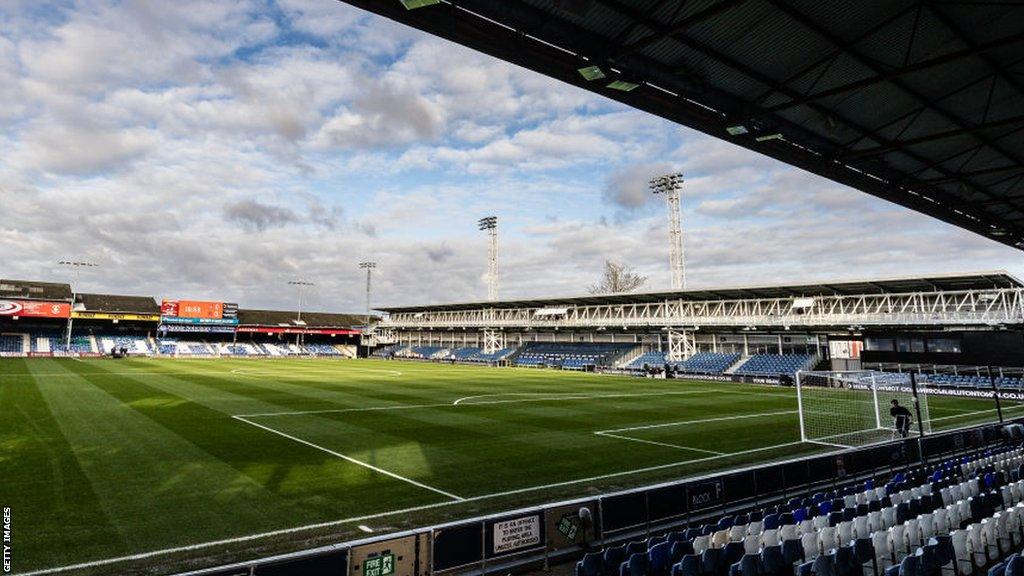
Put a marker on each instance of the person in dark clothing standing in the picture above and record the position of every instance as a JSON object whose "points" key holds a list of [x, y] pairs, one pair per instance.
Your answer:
{"points": [[901, 418]]}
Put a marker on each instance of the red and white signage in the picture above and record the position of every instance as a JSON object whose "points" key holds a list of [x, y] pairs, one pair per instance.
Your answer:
{"points": [[192, 309], [35, 309]]}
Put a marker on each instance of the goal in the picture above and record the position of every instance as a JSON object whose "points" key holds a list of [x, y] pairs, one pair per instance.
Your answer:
{"points": [[847, 409]]}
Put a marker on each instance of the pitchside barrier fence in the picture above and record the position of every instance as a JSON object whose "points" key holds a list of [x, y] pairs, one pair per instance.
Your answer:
{"points": [[532, 537]]}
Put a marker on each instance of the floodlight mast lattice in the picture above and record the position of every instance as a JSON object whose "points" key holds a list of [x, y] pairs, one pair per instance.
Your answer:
{"points": [[490, 225], [77, 267], [368, 266], [300, 284], [669, 186]]}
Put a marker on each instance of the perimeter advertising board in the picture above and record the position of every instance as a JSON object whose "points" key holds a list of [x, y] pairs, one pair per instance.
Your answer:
{"points": [[34, 309], [86, 315]]}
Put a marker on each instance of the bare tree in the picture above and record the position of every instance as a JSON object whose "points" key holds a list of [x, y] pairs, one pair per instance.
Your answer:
{"points": [[617, 278]]}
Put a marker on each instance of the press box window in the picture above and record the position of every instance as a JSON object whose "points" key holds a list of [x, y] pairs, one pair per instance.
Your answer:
{"points": [[879, 344], [948, 345]]}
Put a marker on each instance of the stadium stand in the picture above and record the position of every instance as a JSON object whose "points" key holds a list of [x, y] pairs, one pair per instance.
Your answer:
{"points": [[387, 351], [167, 347], [959, 517], [465, 354], [134, 344], [195, 348], [57, 343], [228, 349], [647, 359], [426, 352], [276, 349], [775, 364], [322, 350], [966, 381], [571, 356], [497, 356], [12, 343], [707, 363]]}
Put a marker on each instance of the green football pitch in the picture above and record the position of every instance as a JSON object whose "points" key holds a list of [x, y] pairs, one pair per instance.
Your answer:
{"points": [[227, 459]]}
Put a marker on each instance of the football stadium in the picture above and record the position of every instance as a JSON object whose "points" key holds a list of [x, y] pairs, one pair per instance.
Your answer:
{"points": [[852, 426]]}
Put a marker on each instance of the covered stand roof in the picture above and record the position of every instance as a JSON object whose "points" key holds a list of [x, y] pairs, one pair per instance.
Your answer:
{"points": [[919, 103], [35, 290], [115, 303], [951, 282], [288, 318]]}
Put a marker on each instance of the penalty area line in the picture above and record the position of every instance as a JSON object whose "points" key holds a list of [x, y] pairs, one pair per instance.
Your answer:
{"points": [[353, 460], [701, 421], [665, 444]]}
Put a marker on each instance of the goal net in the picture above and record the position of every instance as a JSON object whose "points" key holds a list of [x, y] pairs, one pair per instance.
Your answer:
{"points": [[854, 408]]}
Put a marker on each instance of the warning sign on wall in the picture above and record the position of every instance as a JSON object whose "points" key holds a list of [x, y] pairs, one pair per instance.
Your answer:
{"points": [[510, 535]]}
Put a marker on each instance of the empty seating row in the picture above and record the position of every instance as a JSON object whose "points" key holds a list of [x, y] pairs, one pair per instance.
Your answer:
{"points": [[841, 534], [645, 360], [707, 363], [775, 364], [12, 343], [571, 355], [968, 381]]}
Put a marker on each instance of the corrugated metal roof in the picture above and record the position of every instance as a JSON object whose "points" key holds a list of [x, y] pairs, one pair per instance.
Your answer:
{"points": [[35, 290], [918, 103], [927, 283], [115, 303]]}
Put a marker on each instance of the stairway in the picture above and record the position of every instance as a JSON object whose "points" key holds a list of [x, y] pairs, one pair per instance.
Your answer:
{"points": [[736, 365]]}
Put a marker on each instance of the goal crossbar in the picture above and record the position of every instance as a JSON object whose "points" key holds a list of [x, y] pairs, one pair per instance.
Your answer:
{"points": [[857, 408]]}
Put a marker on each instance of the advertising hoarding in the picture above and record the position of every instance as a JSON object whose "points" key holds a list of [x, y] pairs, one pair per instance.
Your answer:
{"points": [[35, 309]]}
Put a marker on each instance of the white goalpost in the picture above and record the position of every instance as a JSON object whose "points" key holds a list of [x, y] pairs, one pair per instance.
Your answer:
{"points": [[849, 409]]}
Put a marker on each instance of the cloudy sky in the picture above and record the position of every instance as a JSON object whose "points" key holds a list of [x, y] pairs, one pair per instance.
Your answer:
{"points": [[216, 148]]}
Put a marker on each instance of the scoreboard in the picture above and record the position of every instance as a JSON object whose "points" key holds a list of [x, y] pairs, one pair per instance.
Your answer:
{"points": [[198, 312]]}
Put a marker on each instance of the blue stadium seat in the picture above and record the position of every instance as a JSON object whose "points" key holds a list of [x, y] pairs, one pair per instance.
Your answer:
{"points": [[707, 363], [690, 565], [775, 364], [635, 566], [570, 355], [590, 565], [659, 559]]}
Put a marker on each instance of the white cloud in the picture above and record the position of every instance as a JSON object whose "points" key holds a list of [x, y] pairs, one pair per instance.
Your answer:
{"points": [[217, 149]]}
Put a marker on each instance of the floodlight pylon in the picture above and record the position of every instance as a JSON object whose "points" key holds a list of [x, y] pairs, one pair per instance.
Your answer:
{"points": [[669, 186], [490, 225]]}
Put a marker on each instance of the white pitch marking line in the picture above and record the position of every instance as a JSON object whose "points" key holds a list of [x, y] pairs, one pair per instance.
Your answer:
{"points": [[353, 460], [665, 444], [828, 443], [311, 371], [570, 396], [702, 421], [340, 410], [484, 403], [962, 414], [249, 537]]}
